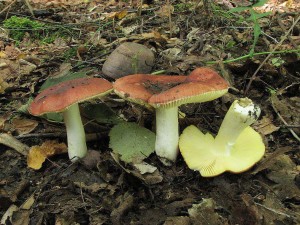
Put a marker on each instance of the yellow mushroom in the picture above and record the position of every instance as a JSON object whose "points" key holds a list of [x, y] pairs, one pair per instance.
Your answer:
{"points": [[236, 148]]}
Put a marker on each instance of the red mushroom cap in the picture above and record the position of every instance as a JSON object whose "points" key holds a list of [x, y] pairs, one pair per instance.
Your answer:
{"points": [[203, 84], [59, 97], [139, 88]]}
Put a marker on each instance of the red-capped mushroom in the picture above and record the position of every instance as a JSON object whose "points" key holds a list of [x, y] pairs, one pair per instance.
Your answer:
{"points": [[64, 97], [165, 93]]}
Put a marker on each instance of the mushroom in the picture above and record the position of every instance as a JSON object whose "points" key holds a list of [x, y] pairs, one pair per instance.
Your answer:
{"points": [[64, 97], [165, 93], [236, 148]]}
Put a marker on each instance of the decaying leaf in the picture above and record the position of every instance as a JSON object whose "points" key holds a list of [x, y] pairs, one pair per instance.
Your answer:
{"points": [[131, 149], [148, 178], [64, 74], [117, 15], [265, 126], [101, 113], [204, 213], [38, 154], [23, 125], [283, 173], [144, 167], [165, 11], [3, 85]]}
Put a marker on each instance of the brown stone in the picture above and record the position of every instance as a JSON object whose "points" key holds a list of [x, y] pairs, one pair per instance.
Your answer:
{"points": [[128, 58]]}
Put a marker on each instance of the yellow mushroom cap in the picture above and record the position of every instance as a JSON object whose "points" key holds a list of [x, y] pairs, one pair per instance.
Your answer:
{"points": [[201, 152]]}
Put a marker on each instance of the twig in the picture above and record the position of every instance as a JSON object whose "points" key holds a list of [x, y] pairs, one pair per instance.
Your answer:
{"points": [[254, 54], [170, 17], [9, 5], [89, 137], [12, 142], [270, 54], [273, 210], [285, 123]]}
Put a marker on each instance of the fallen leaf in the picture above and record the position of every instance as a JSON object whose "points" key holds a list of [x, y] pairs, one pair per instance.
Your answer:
{"points": [[24, 126], [165, 11], [204, 213], [38, 154], [8, 214], [283, 173], [95, 187], [144, 167], [131, 149], [3, 85], [117, 15], [265, 126]]}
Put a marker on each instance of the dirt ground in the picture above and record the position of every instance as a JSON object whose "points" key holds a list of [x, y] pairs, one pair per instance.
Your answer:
{"points": [[101, 189]]}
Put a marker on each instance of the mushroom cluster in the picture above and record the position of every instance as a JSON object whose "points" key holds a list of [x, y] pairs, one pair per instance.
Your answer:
{"points": [[236, 147], [165, 94]]}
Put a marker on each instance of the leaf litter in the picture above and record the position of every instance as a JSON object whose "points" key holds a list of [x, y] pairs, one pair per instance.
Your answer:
{"points": [[105, 190]]}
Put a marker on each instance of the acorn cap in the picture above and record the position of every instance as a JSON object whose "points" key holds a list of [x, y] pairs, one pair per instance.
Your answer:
{"points": [[59, 97], [201, 153], [203, 84]]}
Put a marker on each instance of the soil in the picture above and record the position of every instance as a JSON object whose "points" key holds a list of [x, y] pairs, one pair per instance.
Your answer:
{"points": [[101, 189]]}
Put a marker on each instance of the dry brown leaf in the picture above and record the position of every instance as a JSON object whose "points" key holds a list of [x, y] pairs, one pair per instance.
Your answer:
{"points": [[265, 126], [12, 52], [165, 11], [38, 154], [120, 15], [117, 15], [24, 126], [3, 85]]}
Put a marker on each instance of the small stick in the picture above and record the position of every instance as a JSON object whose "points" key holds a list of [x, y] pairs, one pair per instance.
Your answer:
{"points": [[170, 18], [9, 5], [267, 58], [273, 210], [12, 142], [285, 123], [89, 137]]}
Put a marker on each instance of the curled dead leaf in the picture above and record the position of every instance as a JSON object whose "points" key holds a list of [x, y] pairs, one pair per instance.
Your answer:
{"points": [[38, 154]]}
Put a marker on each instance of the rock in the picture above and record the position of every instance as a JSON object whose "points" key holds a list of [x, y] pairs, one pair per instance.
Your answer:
{"points": [[128, 58]]}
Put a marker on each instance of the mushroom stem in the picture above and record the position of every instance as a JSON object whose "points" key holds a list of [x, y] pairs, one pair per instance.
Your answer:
{"points": [[240, 115], [75, 132], [167, 134]]}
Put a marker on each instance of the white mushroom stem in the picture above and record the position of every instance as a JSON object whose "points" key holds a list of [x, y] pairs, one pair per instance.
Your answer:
{"points": [[167, 134], [240, 115], [75, 132]]}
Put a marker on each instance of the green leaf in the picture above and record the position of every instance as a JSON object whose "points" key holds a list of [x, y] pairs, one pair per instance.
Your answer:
{"points": [[132, 142], [256, 16], [101, 113], [55, 80], [239, 9], [54, 117], [257, 32], [260, 3]]}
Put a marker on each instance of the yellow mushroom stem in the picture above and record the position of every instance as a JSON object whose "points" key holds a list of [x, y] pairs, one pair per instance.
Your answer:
{"points": [[240, 115]]}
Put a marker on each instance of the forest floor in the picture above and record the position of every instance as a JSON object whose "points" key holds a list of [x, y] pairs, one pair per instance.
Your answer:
{"points": [[77, 37]]}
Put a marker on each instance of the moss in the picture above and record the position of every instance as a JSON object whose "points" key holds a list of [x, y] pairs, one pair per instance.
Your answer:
{"points": [[18, 26]]}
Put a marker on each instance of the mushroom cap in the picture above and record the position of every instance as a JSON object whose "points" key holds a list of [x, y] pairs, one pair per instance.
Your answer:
{"points": [[203, 84], [59, 97], [201, 153]]}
